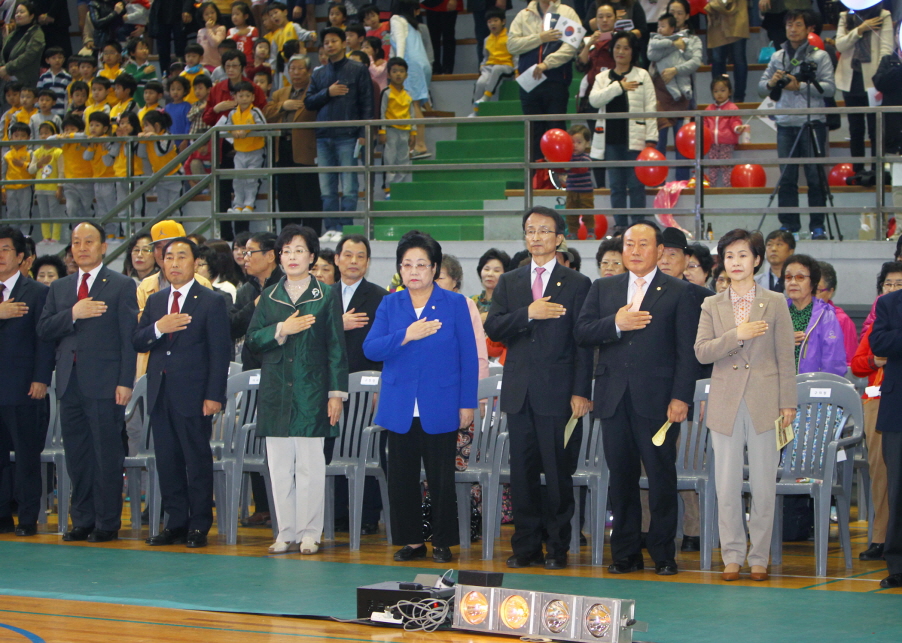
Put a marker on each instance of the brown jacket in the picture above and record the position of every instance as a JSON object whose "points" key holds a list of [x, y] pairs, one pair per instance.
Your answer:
{"points": [[762, 370], [303, 141], [728, 21]]}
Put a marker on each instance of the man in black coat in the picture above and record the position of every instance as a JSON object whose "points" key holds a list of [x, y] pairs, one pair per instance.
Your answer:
{"points": [[547, 380], [644, 324], [27, 368], [91, 316], [186, 330], [360, 299]]}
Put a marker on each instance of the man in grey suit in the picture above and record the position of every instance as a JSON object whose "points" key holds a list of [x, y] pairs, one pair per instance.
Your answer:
{"points": [[91, 316]]}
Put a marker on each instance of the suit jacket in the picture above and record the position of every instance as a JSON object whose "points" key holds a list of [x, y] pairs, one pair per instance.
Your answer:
{"points": [[196, 360], [761, 371], [700, 293], [303, 141], [543, 359], [439, 372], [886, 341], [366, 299], [24, 356], [656, 362], [102, 345]]}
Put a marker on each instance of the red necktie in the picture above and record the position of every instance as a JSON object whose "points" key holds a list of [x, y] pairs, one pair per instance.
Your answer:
{"points": [[175, 307], [83, 288], [2, 288]]}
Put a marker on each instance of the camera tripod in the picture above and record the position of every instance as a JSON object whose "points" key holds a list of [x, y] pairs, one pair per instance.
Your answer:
{"points": [[807, 130]]}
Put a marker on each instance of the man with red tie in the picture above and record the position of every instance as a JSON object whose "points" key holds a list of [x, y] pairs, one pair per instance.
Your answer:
{"points": [[91, 316], [185, 328]]}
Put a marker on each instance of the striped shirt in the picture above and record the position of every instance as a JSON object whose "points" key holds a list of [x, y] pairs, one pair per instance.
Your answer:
{"points": [[579, 179], [58, 84]]}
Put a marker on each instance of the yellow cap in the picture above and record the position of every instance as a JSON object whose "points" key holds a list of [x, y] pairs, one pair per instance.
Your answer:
{"points": [[166, 230]]}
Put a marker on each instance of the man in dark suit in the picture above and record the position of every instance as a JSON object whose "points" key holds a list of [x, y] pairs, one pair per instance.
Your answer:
{"points": [[91, 315], [644, 324], [547, 379], [185, 327], [360, 299], [27, 368]]}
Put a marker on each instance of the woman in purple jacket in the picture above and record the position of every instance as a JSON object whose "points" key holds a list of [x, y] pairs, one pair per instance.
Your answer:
{"points": [[818, 335]]}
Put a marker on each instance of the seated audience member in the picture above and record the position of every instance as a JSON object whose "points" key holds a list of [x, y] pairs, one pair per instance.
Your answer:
{"points": [[48, 269], [698, 270], [498, 62], [819, 342], [779, 246], [825, 291], [609, 257], [138, 262]]}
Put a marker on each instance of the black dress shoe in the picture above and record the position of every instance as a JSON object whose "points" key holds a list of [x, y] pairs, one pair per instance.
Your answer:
{"points": [[666, 568], [691, 543], [196, 539], [627, 565], [342, 525], [27, 530], [892, 581], [556, 562], [409, 553], [7, 525], [77, 533], [168, 537], [369, 528], [583, 541], [874, 552], [642, 537], [102, 536], [441, 554], [526, 560]]}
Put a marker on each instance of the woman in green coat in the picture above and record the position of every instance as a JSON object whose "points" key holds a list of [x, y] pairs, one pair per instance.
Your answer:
{"points": [[298, 334], [22, 48]]}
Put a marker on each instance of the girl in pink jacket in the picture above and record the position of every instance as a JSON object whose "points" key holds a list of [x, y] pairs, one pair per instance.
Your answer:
{"points": [[726, 130]]}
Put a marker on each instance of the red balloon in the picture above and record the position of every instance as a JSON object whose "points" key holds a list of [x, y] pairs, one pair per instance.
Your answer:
{"points": [[651, 175], [557, 146], [697, 6], [583, 233], [748, 176], [815, 41], [838, 174], [685, 140], [601, 226]]}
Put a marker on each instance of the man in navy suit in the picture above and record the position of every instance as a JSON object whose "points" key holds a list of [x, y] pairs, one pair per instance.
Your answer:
{"points": [[27, 368], [644, 324], [547, 380], [886, 341], [186, 330], [91, 316]]}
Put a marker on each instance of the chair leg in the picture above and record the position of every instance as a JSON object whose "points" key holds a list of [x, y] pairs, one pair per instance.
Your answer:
{"points": [[329, 509], [574, 523], [463, 491], [821, 529], [219, 498], [490, 493], [154, 501], [776, 539], [705, 526], [600, 510], [272, 504], [843, 511], [386, 510], [233, 490], [46, 503], [355, 506], [133, 480], [64, 489]]}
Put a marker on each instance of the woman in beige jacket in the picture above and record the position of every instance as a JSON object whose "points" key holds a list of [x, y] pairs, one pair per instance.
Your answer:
{"points": [[746, 332]]}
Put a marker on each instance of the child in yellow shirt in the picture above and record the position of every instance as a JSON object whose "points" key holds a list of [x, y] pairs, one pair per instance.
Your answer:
{"points": [[100, 90], [18, 197], [27, 99], [398, 139], [117, 154], [112, 61], [45, 164], [249, 146], [104, 193], [13, 94], [79, 196], [153, 94], [157, 153]]}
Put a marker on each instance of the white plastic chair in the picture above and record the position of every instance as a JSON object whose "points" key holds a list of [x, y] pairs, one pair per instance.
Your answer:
{"points": [[144, 460]]}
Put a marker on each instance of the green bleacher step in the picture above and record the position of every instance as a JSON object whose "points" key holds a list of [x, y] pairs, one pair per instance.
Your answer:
{"points": [[439, 232], [472, 175], [447, 190], [426, 206], [485, 149], [501, 108], [481, 131]]}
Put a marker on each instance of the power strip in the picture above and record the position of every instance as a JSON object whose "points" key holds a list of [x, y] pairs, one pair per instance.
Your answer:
{"points": [[386, 617]]}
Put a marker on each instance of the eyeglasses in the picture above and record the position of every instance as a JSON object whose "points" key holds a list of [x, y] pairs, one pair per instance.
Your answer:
{"points": [[693, 266], [541, 232], [798, 278], [611, 264], [146, 250], [201, 264], [892, 284], [287, 252], [820, 290], [247, 253], [420, 267]]}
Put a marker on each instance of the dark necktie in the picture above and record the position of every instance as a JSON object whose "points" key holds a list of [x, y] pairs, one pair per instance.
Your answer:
{"points": [[175, 307], [2, 288]]}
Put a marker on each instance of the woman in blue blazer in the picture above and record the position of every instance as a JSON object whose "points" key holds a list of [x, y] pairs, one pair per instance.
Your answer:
{"points": [[424, 337]]}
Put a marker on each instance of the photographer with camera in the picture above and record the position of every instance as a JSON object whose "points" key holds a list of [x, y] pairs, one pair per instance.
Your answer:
{"points": [[798, 76]]}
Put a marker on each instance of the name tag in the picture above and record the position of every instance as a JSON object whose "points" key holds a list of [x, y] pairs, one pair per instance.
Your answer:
{"points": [[369, 380], [821, 392], [707, 388], [254, 380], [499, 385]]}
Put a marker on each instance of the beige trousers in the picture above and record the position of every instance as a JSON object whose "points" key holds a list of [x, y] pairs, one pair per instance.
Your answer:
{"points": [[877, 471], [297, 468]]}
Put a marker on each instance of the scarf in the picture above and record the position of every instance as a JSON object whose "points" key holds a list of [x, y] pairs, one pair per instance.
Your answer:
{"points": [[862, 52], [14, 39]]}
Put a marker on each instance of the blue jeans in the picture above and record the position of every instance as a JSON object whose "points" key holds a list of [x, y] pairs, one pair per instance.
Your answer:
{"points": [[682, 173], [337, 152], [623, 180], [736, 51], [788, 196]]}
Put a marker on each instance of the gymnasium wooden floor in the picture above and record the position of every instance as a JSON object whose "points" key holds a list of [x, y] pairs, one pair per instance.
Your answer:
{"points": [[34, 619]]}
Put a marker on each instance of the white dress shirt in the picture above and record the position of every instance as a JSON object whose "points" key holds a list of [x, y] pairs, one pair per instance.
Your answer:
{"points": [[183, 291], [10, 284], [347, 293]]}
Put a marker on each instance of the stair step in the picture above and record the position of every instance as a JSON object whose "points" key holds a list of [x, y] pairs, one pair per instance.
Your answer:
{"points": [[388, 206], [460, 176], [487, 149], [481, 131], [439, 232], [447, 190]]}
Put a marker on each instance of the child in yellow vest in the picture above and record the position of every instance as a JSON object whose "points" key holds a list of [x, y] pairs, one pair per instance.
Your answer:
{"points": [[13, 93], [112, 61], [398, 139], [157, 153], [104, 193], [153, 93], [117, 154], [27, 99], [18, 197], [249, 146], [193, 68], [284, 30], [498, 63], [100, 90], [79, 196], [45, 164]]}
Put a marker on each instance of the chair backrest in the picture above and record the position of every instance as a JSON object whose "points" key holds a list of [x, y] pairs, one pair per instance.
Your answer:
{"points": [[487, 428], [234, 368], [823, 377], [693, 453], [363, 391], [54, 439], [826, 409], [591, 448], [138, 405], [240, 407]]}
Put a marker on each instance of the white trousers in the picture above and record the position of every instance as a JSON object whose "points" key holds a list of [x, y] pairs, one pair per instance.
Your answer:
{"points": [[79, 200], [489, 78], [396, 152], [297, 469], [104, 201], [764, 458], [246, 189], [18, 204]]}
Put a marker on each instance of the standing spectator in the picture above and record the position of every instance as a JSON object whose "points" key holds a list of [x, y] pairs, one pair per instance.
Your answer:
{"points": [[56, 79], [138, 262], [211, 35], [580, 191], [410, 43], [728, 33], [543, 50], [441, 18], [725, 128], [398, 140], [888, 81], [244, 33], [249, 146], [95, 372], [48, 269], [168, 23], [773, 17], [20, 56], [779, 246], [595, 55], [341, 90], [139, 67], [698, 270], [28, 367], [610, 257], [784, 64], [185, 328], [424, 337], [53, 16], [106, 20], [625, 88], [825, 291], [491, 265], [546, 380], [863, 38]]}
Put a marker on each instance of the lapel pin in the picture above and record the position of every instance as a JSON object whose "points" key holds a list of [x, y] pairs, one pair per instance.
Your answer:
{"points": [[659, 288], [433, 307], [195, 296], [760, 305]]}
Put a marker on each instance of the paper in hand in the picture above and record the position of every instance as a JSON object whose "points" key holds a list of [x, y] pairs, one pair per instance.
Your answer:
{"points": [[527, 82], [568, 429], [785, 435], [658, 440]]}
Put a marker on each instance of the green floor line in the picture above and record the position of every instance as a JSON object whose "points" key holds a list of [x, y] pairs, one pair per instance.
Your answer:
{"points": [[838, 580]]}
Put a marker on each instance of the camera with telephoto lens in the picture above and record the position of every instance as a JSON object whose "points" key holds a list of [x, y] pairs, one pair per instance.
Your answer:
{"points": [[807, 73]]}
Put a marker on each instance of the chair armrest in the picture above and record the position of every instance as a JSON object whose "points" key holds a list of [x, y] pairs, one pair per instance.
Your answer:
{"points": [[501, 455], [368, 447]]}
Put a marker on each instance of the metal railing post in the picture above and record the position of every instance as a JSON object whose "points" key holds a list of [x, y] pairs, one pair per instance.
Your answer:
{"points": [[369, 180], [270, 183], [527, 172], [699, 175], [214, 186], [879, 234]]}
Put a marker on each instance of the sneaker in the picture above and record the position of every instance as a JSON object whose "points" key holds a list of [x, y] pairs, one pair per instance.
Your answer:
{"points": [[308, 546], [818, 234], [280, 547], [327, 236], [247, 208], [235, 210], [417, 156], [472, 115]]}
